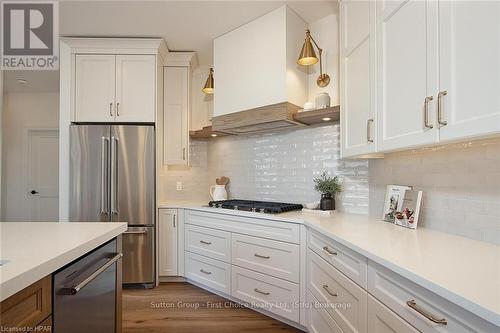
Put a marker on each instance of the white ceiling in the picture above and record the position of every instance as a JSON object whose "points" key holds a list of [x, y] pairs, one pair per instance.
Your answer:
{"points": [[185, 25]]}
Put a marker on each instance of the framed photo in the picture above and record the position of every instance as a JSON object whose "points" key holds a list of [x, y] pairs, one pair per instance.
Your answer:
{"points": [[408, 216], [394, 198]]}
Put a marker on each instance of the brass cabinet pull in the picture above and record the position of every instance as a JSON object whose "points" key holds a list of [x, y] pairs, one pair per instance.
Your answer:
{"points": [[368, 136], [117, 110], [327, 250], [412, 304], [205, 272], [261, 292], [440, 108], [111, 109], [205, 242], [328, 291], [426, 112], [174, 221], [183, 154], [261, 256]]}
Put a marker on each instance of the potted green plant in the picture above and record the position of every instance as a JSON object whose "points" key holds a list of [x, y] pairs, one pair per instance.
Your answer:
{"points": [[328, 187]]}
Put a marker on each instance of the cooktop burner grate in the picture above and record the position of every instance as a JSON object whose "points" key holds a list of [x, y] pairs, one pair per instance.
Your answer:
{"points": [[256, 206]]}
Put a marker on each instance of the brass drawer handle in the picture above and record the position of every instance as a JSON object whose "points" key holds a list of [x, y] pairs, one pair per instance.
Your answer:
{"points": [[368, 136], [261, 292], [205, 272], [426, 112], [440, 108], [328, 291], [204, 242], [261, 256], [412, 304], [327, 250]]}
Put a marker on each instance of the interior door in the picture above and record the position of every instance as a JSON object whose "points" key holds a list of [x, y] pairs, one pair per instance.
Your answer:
{"points": [[135, 88], [469, 35], [94, 88], [132, 191], [407, 73], [89, 175], [358, 75], [43, 176]]}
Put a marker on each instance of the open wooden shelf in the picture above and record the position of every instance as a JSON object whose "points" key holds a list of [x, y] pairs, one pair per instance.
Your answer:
{"points": [[320, 116], [205, 133]]}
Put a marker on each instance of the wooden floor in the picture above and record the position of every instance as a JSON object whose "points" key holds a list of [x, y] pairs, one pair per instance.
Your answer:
{"points": [[179, 307]]}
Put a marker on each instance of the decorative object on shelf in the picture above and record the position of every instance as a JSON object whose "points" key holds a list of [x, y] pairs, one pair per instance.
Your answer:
{"points": [[408, 216], [308, 57], [394, 197], [308, 106], [218, 192], [328, 187], [322, 100], [209, 84]]}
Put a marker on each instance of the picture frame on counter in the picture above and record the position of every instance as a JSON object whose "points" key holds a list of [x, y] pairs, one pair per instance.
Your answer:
{"points": [[402, 206], [394, 197]]}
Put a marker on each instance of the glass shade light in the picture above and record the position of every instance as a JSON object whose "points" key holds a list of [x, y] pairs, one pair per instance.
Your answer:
{"points": [[209, 84]]}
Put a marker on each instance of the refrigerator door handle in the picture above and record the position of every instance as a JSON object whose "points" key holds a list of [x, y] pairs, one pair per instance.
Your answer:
{"points": [[114, 175], [104, 175]]}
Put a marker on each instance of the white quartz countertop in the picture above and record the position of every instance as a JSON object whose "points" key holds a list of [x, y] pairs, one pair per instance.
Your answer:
{"points": [[464, 271], [37, 249]]}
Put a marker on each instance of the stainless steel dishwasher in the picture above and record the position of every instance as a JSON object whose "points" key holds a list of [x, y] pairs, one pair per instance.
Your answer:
{"points": [[84, 293]]}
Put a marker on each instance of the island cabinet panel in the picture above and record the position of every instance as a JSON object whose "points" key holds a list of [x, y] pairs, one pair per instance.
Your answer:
{"points": [[28, 308]]}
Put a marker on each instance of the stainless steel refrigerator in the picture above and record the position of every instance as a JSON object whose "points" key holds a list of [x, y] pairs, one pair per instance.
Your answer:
{"points": [[112, 177]]}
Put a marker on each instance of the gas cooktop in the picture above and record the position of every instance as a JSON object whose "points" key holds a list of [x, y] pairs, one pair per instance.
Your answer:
{"points": [[256, 206]]}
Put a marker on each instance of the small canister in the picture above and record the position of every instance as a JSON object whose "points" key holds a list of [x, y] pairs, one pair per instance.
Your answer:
{"points": [[322, 100]]}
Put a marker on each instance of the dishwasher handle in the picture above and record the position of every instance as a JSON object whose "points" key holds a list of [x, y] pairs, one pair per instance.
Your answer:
{"points": [[75, 289]]}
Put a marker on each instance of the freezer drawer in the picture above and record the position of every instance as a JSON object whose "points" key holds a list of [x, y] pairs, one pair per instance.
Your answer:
{"points": [[138, 255], [84, 293]]}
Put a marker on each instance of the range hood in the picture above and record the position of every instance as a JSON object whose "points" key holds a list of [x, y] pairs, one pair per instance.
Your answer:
{"points": [[271, 117]]}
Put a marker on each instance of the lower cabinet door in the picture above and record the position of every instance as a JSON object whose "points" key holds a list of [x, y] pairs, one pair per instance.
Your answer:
{"points": [[266, 292], [168, 242], [319, 321], [382, 320]]}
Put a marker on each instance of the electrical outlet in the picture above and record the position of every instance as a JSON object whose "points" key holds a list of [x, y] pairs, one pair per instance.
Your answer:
{"points": [[178, 186]]}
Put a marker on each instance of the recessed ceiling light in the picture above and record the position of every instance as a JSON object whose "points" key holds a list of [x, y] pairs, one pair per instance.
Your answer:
{"points": [[23, 81], [327, 119], [214, 135]]}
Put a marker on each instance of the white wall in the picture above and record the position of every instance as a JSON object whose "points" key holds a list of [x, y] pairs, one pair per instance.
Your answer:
{"points": [[1, 135], [22, 111], [202, 106], [326, 33]]}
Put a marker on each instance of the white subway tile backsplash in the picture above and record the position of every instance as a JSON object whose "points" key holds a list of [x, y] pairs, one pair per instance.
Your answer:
{"points": [[461, 184]]}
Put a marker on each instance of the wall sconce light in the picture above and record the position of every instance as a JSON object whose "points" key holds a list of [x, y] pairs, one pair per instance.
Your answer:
{"points": [[209, 84], [308, 57]]}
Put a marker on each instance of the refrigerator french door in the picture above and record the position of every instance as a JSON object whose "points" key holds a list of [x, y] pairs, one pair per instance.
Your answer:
{"points": [[112, 179]]}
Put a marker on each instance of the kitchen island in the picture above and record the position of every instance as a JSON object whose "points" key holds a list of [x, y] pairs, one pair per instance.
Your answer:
{"points": [[31, 252]]}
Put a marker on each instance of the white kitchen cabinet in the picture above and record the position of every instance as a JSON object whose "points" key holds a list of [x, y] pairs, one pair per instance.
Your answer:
{"points": [[95, 88], [382, 320], [176, 115], [469, 66], [357, 87], [255, 64], [168, 222], [119, 88], [407, 73], [135, 88]]}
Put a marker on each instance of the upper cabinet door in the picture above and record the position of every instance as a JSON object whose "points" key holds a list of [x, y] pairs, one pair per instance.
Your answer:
{"points": [[469, 34], [94, 88], [135, 88], [358, 77], [176, 115], [407, 73]]}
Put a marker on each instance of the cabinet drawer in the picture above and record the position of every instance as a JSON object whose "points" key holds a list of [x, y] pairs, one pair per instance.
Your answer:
{"points": [[212, 243], [27, 308], [281, 231], [269, 293], [350, 263], [209, 272], [271, 257], [346, 300], [319, 321], [382, 320], [397, 292]]}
